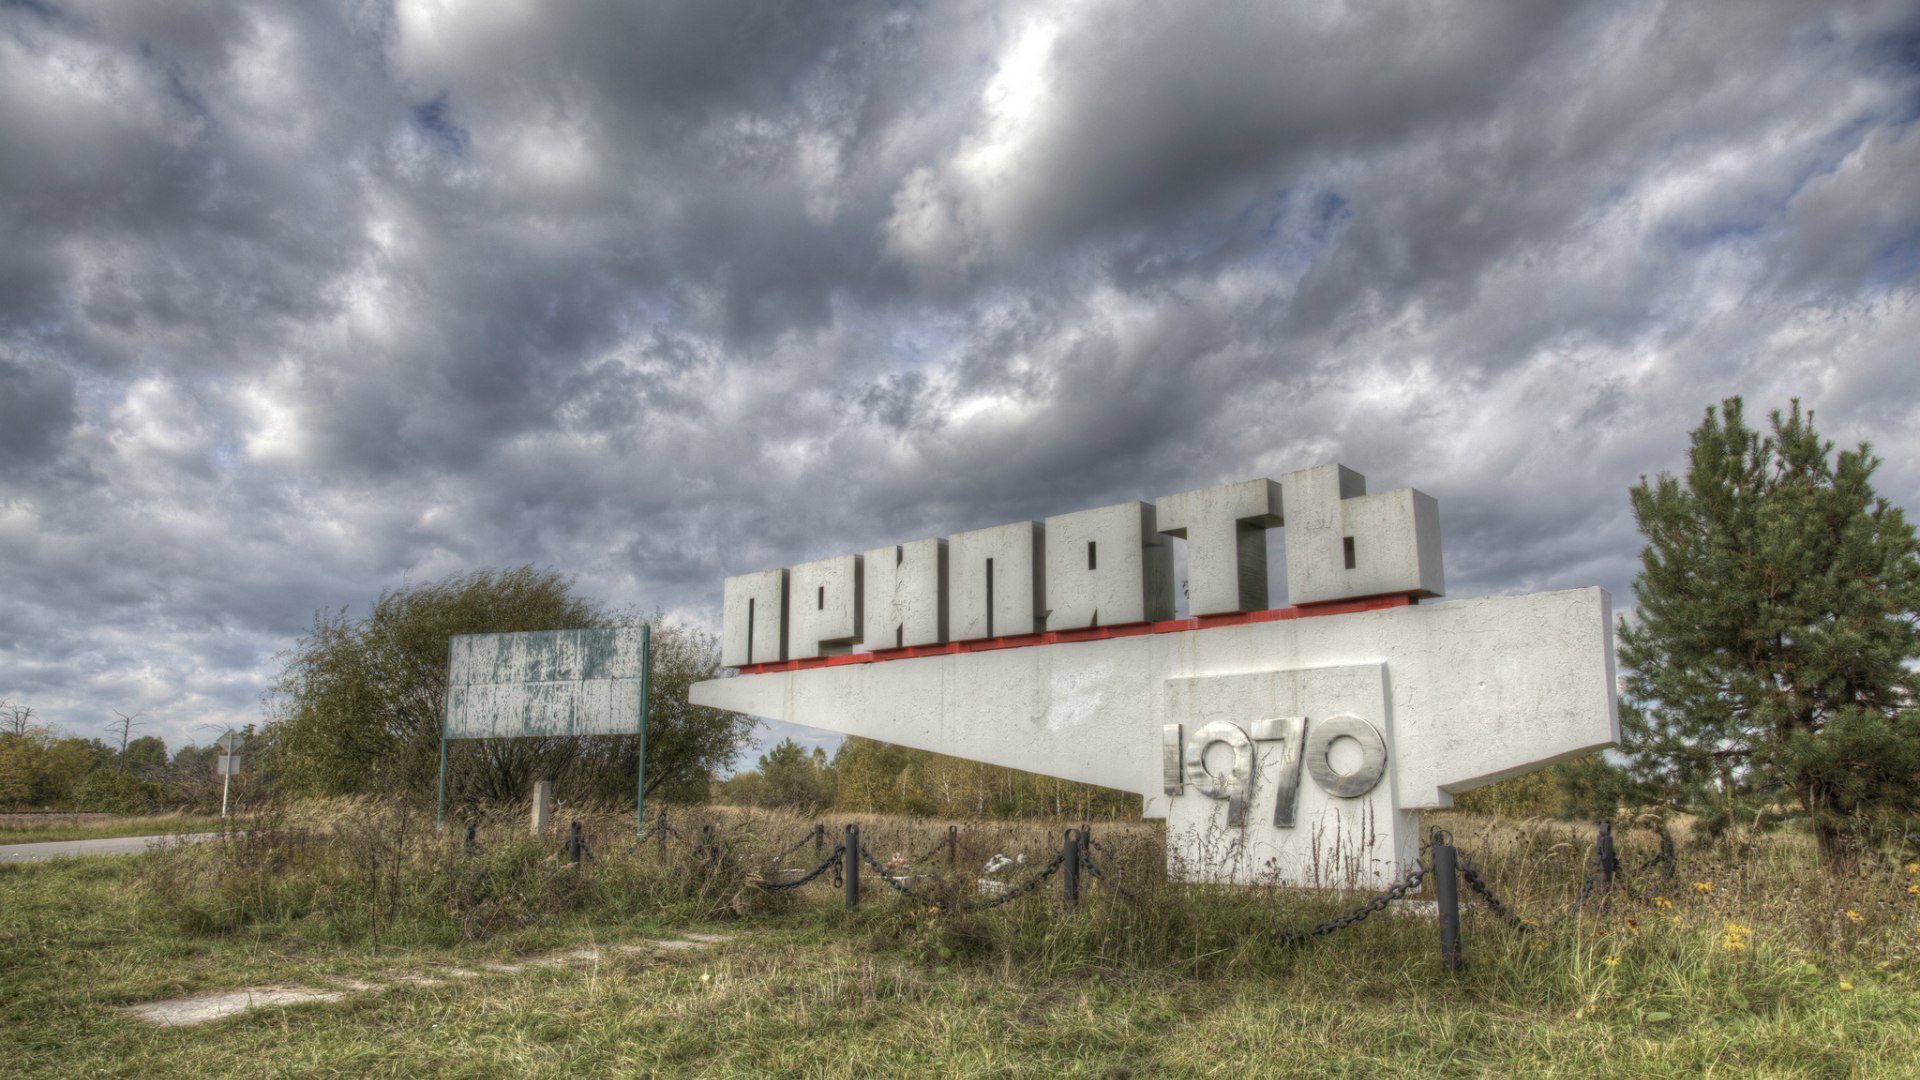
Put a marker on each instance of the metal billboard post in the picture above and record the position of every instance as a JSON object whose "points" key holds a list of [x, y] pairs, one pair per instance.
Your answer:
{"points": [[440, 814], [640, 779]]}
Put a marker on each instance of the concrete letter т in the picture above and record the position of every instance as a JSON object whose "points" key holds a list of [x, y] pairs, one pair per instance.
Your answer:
{"points": [[753, 619], [1107, 567], [995, 582], [823, 608], [1344, 543], [1225, 529], [906, 595]]}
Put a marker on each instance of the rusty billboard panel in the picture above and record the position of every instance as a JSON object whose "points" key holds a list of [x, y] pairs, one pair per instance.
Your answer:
{"points": [[546, 683]]}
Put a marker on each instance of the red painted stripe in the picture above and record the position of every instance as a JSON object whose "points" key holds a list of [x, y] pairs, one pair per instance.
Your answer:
{"points": [[1098, 633]]}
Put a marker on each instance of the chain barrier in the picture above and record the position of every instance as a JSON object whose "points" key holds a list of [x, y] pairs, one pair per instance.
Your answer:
{"points": [[1396, 891], [1588, 887], [804, 841], [832, 863], [1012, 894]]}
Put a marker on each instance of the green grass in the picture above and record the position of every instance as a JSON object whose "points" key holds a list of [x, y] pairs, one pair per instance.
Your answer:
{"points": [[35, 828], [1191, 986]]}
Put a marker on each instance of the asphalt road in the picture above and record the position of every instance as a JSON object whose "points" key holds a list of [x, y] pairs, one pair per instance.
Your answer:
{"points": [[117, 845]]}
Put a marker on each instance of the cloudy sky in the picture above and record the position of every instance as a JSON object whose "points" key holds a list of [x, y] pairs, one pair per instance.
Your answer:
{"points": [[298, 301]]}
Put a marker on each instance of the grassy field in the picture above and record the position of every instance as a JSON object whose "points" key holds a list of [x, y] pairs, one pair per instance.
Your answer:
{"points": [[1747, 963], [39, 828]]}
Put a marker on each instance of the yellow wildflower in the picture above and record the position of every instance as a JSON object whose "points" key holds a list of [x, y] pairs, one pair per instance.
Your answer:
{"points": [[1662, 903], [1735, 937], [1703, 886], [1913, 868], [1613, 961], [1852, 915], [1914, 889], [1845, 985]]}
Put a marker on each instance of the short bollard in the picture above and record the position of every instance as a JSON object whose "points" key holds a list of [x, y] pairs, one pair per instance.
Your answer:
{"points": [[850, 867], [707, 846], [1070, 869], [472, 844], [574, 844], [1446, 895], [660, 830], [819, 838], [953, 843], [1604, 854]]}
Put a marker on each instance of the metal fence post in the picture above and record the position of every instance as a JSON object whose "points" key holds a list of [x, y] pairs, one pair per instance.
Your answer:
{"points": [[660, 829], [850, 866], [1609, 861], [573, 844], [953, 844], [1446, 894], [707, 846], [1070, 869], [819, 838], [472, 828]]}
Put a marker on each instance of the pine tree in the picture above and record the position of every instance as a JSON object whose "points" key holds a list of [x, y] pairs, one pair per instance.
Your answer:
{"points": [[1770, 664]]}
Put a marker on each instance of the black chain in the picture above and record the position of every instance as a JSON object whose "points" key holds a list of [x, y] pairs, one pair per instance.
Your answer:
{"points": [[1506, 913], [935, 849], [832, 863], [1396, 891], [804, 841], [1010, 895], [894, 883]]}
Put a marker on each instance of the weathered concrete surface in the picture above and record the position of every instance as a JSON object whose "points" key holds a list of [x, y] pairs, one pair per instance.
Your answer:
{"points": [[823, 607], [118, 845], [753, 618], [1474, 691], [1225, 529], [1107, 567], [204, 1008], [1395, 538], [906, 595], [554, 682], [996, 582]]}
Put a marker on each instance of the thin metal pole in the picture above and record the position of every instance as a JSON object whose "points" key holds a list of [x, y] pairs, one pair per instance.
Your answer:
{"points": [[819, 837], [1446, 894], [440, 815], [953, 843], [640, 782], [850, 867], [226, 781], [1070, 869]]}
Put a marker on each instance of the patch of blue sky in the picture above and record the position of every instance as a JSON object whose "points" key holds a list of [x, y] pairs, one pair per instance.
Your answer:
{"points": [[435, 118]]}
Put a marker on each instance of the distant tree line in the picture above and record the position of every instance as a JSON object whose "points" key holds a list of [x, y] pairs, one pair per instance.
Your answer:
{"points": [[41, 769], [875, 777]]}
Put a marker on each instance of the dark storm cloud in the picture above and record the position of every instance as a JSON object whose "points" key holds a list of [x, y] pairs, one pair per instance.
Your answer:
{"points": [[298, 301]]}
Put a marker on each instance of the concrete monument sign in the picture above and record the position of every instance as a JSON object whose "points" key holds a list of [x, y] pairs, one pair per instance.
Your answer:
{"points": [[1288, 745]]}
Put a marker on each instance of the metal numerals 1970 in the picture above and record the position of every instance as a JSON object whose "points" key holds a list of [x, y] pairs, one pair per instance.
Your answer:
{"points": [[1185, 762]]}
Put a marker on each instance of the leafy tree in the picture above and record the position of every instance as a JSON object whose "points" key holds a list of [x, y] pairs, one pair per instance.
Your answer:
{"points": [[1771, 664], [787, 776], [358, 706], [144, 756]]}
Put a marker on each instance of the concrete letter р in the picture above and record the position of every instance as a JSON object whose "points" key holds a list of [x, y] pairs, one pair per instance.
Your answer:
{"points": [[823, 611]]}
